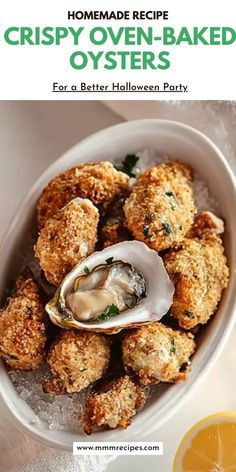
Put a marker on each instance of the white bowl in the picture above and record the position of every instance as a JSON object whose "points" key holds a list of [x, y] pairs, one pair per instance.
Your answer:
{"points": [[192, 147]]}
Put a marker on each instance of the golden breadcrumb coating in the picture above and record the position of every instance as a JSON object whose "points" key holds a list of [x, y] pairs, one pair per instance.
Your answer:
{"points": [[114, 406], [22, 326], [54, 386], [114, 233], [156, 353], [198, 269], [113, 229], [77, 359], [100, 182], [205, 224], [66, 239], [160, 209]]}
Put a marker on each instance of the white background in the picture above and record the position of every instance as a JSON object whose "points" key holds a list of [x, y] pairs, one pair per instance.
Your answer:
{"points": [[27, 72]]}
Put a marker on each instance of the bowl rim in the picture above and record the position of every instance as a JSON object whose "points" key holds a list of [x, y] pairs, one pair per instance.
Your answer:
{"points": [[208, 358], [98, 134]]}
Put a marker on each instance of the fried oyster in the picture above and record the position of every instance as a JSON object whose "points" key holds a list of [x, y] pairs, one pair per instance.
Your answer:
{"points": [[114, 233], [100, 182], [22, 326], [157, 353], [77, 359], [205, 224], [66, 239], [160, 209], [198, 269], [114, 230], [114, 405]]}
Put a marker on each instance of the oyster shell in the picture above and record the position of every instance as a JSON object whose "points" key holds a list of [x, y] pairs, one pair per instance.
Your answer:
{"points": [[121, 287]]}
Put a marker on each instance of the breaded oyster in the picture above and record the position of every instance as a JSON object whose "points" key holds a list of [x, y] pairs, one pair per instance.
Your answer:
{"points": [[77, 359], [198, 269], [114, 229], [67, 238], [100, 182], [114, 233], [22, 326], [205, 224], [157, 353], [160, 209], [114, 405]]}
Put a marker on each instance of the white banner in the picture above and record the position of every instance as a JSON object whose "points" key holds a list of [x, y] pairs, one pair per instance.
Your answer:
{"points": [[69, 50], [118, 448]]}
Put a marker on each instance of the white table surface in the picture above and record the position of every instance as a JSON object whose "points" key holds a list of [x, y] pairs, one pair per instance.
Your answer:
{"points": [[32, 135]]}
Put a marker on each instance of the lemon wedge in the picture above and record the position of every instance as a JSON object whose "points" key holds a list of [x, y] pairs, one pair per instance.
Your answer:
{"points": [[210, 446]]}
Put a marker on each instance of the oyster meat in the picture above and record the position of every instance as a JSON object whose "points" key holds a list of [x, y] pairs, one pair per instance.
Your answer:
{"points": [[115, 283], [123, 286]]}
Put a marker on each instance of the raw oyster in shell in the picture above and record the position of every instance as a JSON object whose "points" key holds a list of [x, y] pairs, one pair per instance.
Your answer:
{"points": [[115, 283], [121, 287]]}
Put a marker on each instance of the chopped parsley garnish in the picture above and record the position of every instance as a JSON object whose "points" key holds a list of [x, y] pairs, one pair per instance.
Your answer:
{"points": [[128, 164], [111, 310], [171, 194], [189, 314], [87, 270], [109, 260], [173, 347], [145, 231], [167, 228]]}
